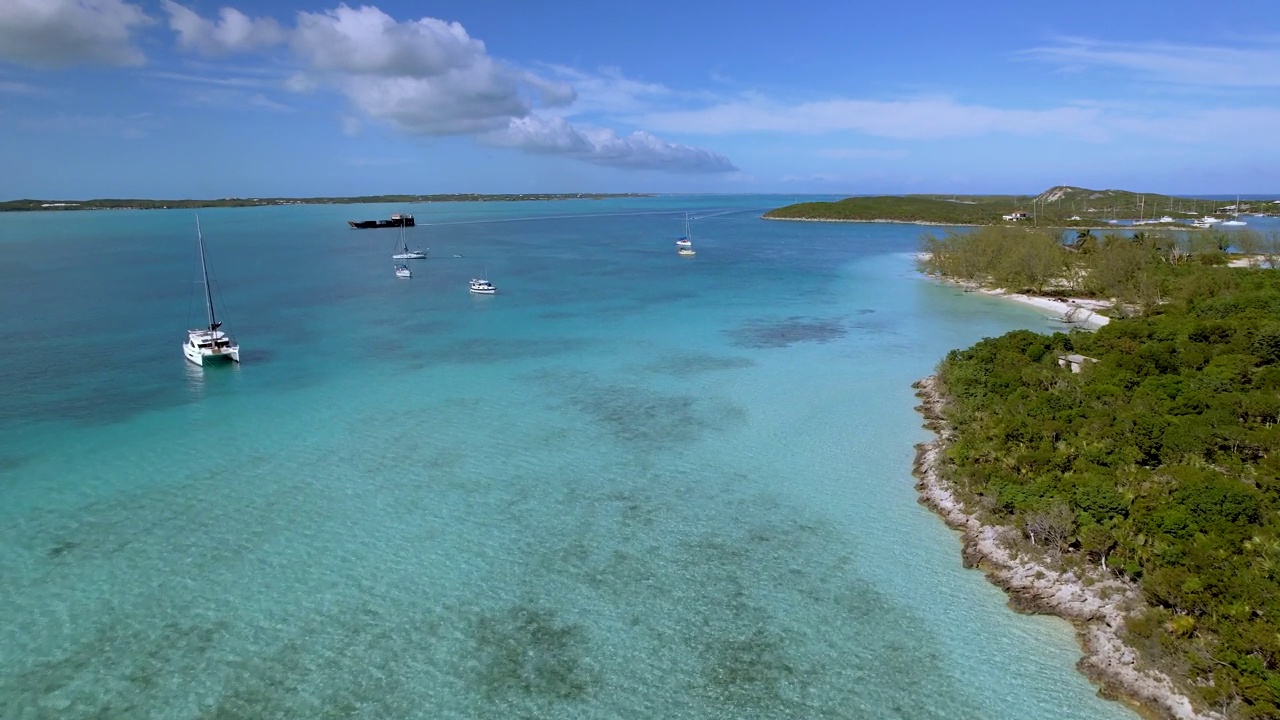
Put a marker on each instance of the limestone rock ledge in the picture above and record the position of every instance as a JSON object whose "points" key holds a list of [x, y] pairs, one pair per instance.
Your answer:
{"points": [[1098, 609]]}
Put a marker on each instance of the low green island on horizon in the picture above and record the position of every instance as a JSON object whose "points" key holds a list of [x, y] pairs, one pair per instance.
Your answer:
{"points": [[28, 204], [1059, 206]]}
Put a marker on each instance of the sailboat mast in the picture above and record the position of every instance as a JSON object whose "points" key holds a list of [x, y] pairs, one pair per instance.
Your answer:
{"points": [[204, 270]]}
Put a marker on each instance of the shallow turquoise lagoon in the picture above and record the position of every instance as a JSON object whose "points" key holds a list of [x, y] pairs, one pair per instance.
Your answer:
{"points": [[629, 485]]}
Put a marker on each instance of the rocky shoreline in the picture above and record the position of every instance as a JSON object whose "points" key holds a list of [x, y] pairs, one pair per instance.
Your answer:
{"points": [[1098, 608]]}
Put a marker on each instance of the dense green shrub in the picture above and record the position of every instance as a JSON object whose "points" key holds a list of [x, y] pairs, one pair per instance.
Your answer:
{"points": [[1166, 452]]}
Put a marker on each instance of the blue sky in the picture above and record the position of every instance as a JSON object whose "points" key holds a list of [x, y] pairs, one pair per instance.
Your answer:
{"points": [[143, 98]]}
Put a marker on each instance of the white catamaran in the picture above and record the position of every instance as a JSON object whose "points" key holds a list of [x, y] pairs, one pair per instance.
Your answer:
{"points": [[210, 343]]}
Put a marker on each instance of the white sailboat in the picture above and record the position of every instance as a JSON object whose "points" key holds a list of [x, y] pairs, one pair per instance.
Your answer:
{"points": [[684, 246], [1235, 221], [407, 254], [210, 343]]}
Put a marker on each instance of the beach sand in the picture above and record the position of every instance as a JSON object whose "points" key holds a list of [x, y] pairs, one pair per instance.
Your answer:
{"points": [[1080, 311]]}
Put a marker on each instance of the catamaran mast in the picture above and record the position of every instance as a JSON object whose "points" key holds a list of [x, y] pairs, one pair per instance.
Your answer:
{"points": [[208, 294]]}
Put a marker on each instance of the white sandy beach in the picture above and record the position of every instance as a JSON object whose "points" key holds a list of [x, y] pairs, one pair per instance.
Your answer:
{"points": [[1079, 311]]}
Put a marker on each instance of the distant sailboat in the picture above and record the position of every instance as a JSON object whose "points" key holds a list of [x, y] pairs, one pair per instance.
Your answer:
{"points": [[1235, 221], [405, 253], [210, 343], [684, 246]]}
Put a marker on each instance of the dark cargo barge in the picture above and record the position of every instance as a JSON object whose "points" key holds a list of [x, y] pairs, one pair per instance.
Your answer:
{"points": [[397, 220]]}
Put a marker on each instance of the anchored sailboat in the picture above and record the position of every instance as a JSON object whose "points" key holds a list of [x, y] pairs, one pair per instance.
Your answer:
{"points": [[406, 253], [684, 246], [1235, 220], [685, 241], [210, 343]]}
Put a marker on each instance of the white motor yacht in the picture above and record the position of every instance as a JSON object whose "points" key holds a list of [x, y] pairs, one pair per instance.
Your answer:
{"points": [[402, 271], [480, 286]]}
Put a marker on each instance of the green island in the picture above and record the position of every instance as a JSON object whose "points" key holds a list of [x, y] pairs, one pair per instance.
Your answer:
{"points": [[1061, 206], [137, 204], [1146, 453]]}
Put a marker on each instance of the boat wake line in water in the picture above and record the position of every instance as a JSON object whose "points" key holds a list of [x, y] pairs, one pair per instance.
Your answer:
{"points": [[574, 217]]}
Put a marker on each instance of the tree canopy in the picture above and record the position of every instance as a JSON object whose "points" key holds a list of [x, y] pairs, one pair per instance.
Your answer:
{"points": [[1160, 461]]}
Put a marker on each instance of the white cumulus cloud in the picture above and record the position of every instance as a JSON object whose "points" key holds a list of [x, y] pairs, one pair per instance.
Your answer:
{"points": [[430, 77], [56, 33], [366, 40], [639, 150], [233, 32], [462, 102]]}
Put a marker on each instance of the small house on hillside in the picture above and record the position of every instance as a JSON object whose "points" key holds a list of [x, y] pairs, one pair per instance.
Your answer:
{"points": [[1017, 215], [1075, 362]]}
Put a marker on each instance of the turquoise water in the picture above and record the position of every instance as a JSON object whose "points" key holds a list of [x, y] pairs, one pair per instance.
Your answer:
{"points": [[629, 485]]}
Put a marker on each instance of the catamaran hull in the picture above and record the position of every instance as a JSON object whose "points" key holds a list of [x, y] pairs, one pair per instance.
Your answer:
{"points": [[198, 357]]}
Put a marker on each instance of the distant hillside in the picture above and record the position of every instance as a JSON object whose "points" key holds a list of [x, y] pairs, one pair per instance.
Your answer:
{"points": [[1063, 205], [1127, 205]]}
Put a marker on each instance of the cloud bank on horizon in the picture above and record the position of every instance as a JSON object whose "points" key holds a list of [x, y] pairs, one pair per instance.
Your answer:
{"points": [[422, 77], [368, 75]]}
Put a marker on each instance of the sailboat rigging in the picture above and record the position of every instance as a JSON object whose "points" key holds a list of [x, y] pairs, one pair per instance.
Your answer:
{"points": [[209, 343], [407, 254], [1235, 220], [684, 246]]}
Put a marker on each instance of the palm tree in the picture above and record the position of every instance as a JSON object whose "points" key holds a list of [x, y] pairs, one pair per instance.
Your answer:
{"points": [[1085, 242]]}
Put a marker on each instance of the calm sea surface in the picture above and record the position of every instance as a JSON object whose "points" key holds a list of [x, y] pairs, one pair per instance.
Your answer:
{"points": [[630, 485]]}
